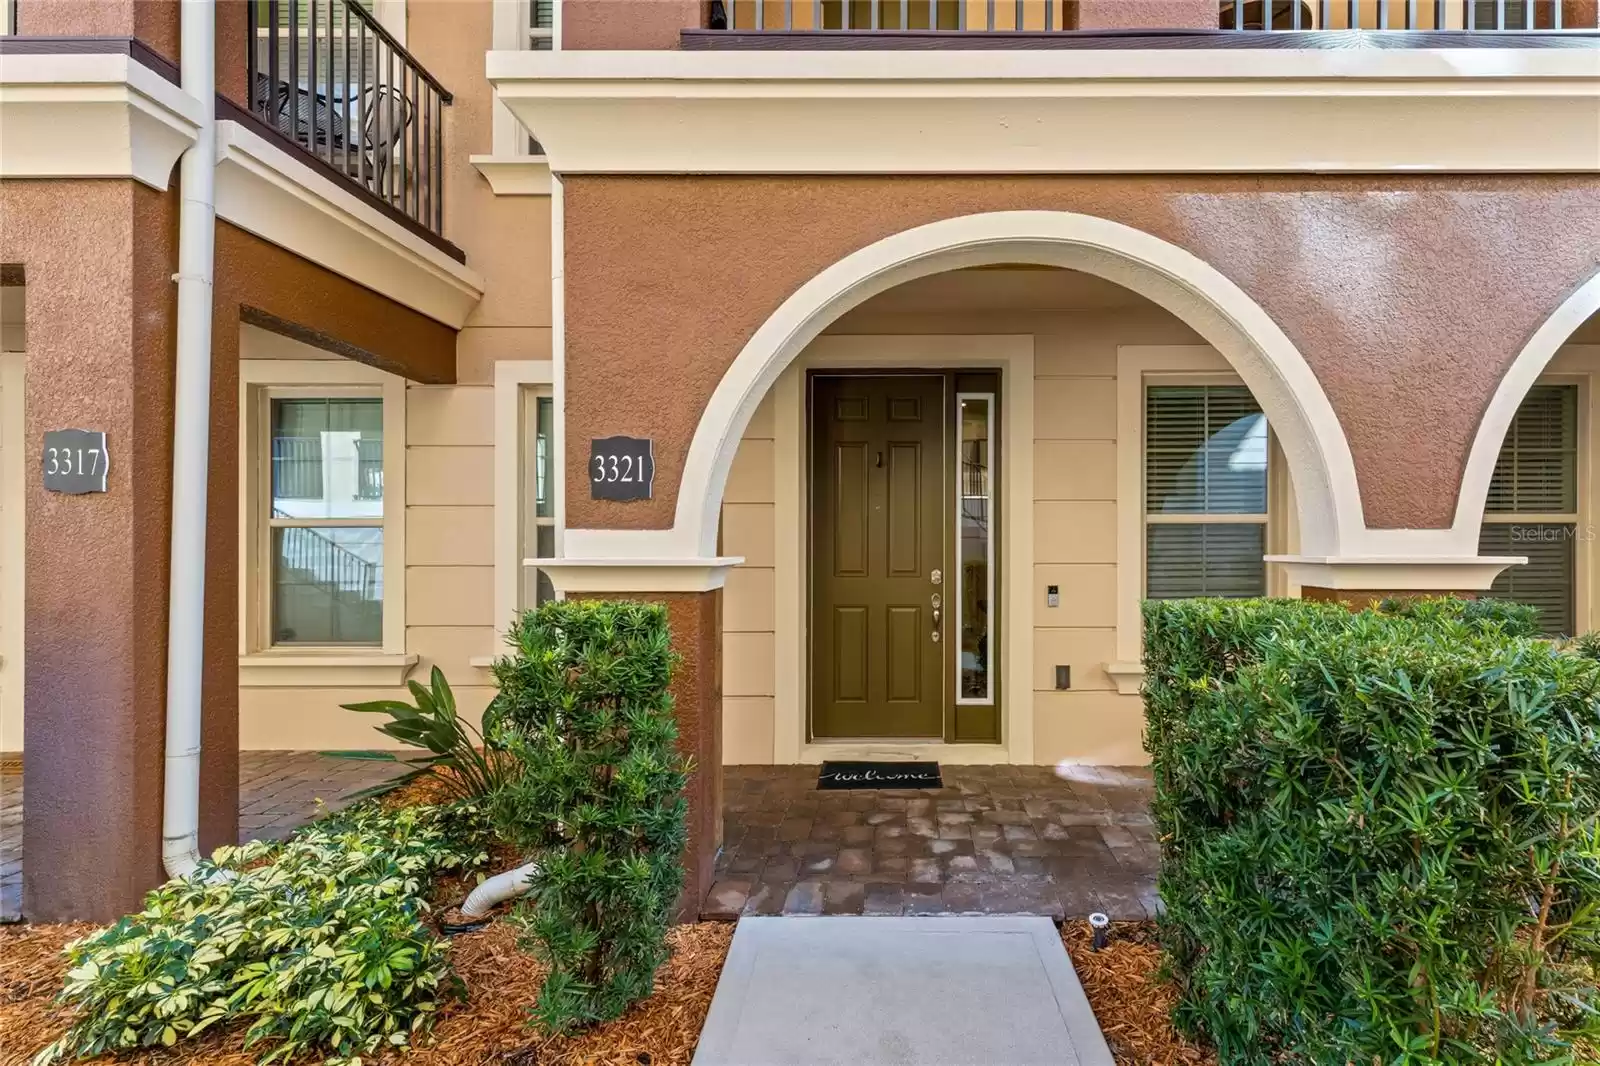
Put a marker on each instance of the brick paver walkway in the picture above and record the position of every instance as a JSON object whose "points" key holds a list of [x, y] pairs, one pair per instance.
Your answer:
{"points": [[278, 793], [994, 840]]}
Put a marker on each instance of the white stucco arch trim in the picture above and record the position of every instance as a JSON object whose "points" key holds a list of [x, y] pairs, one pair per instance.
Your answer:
{"points": [[1519, 377], [1313, 441]]}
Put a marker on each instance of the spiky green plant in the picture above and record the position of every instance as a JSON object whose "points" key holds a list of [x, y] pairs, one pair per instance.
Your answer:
{"points": [[433, 724], [585, 711]]}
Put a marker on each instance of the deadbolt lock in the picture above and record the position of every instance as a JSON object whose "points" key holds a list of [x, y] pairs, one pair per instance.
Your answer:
{"points": [[937, 577]]}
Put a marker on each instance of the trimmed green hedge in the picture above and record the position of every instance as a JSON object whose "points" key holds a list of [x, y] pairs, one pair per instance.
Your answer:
{"points": [[585, 711], [1379, 831]]}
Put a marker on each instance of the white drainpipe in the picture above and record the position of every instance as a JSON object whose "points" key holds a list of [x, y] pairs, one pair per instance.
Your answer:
{"points": [[191, 443], [497, 889]]}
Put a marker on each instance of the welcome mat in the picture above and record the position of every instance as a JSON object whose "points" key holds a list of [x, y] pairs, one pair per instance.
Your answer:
{"points": [[845, 775]]}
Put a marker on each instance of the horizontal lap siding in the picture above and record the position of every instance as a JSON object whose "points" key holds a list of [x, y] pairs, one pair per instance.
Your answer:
{"points": [[748, 651], [449, 525]]}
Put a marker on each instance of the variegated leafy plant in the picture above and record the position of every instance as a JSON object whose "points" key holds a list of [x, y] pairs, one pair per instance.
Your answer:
{"points": [[314, 945]]}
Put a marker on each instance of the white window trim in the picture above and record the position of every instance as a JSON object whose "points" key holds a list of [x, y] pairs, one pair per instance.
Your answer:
{"points": [[1174, 364], [509, 168], [512, 379], [260, 664], [1577, 364], [13, 530]]}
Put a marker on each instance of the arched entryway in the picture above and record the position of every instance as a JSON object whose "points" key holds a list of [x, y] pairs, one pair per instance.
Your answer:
{"points": [[1216, 308], [1529, 486]]}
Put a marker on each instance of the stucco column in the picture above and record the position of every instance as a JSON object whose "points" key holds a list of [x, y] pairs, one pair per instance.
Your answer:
{"points": [[1146, 14], [691, 591], [97, 259], [1357, 599], [628, 24]]}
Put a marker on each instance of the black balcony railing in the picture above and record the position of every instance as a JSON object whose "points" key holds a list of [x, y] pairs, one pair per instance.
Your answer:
{"points": [[1232, 15], [328, 77]]}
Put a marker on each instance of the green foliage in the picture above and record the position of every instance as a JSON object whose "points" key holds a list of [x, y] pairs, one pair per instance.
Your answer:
{"points": [[1380, 832], [432, 724], [584, 708], [1514, 619], [317, 943], [1587, 646]]}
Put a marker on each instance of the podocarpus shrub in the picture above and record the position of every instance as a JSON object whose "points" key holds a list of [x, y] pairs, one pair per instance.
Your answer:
{"points": [[1379, 832], [317, 944], [585, 711]]}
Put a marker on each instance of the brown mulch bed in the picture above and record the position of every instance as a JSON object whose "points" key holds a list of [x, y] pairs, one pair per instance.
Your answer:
{"points": [[490, 1026], [1133, 1007]]}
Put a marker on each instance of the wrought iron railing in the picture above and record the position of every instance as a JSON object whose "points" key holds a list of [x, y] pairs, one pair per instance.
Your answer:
{"points": [[1236, 15], [369, 469], [297, 468], [328, 562], [326, 75]]}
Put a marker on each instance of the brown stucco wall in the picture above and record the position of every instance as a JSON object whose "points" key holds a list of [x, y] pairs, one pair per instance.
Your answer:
{"points": [[1408, 296], [1143, 14], [1357, 599], [624, 24], [97, 257], [154, 22], [697, 703], [278, 290]]}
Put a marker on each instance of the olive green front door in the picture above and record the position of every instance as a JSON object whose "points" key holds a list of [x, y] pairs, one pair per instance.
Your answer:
{"points": [[877, 555]]}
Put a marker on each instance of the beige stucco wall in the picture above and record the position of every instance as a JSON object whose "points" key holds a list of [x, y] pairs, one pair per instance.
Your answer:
{"points": [[1074, 514], [506, 238], [449, 429]]}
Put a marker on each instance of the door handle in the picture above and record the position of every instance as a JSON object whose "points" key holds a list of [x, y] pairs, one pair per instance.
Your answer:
{"points": [[938, 615]]}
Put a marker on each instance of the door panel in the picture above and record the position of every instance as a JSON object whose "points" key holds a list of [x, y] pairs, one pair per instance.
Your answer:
{"points": [[878, 537]]}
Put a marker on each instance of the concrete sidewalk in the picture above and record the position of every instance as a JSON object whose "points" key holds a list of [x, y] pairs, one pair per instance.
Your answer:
{"points": [[934, 991]]}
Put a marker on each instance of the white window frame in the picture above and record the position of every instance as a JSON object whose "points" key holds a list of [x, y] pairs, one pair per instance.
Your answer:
{"points": [[514, 379], [8, 17], [1577, 365], [261, 663], [513, 32], [1139, 366], [1197, 518]]}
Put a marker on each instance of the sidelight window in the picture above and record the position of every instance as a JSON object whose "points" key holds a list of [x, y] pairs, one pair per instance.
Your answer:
{"points": [[975, 512], [1205, 492]]}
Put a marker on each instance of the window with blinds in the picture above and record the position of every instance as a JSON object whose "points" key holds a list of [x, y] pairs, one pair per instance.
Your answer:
{"points": [[541, 24], [1205, 492], [1532, 508]]}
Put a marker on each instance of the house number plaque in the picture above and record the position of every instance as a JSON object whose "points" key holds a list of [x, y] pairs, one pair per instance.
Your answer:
{"points": [[621, 468], [75, 461]]}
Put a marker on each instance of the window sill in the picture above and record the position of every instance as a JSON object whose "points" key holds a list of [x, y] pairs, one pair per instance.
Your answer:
{"points": [[1129, 677], [332, 669], [514, 175]]}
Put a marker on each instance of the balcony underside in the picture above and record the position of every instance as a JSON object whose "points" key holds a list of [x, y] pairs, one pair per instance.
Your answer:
{"points": [[1333, 40]]}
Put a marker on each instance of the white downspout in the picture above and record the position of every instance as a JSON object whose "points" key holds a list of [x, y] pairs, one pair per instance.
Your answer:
{"points": [[497, 889], [191, 444]]}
